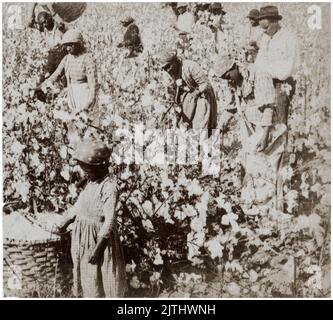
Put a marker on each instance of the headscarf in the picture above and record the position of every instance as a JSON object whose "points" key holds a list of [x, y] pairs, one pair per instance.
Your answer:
{"points": [[166, 56], [72, 36], [93, 153]]}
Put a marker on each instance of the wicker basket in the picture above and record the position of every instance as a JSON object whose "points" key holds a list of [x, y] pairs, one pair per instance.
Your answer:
{"points": [[69, 11], [38, 269]]}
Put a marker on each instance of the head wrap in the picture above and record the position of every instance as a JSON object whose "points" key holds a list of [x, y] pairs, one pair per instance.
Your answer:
{"points": [[72, 36], [93, 153], [166, 56]]}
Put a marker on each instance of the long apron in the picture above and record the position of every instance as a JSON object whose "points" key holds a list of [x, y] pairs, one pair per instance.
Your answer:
{"points": [[77, 96]]}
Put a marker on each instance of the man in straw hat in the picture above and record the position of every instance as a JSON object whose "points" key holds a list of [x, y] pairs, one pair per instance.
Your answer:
{"points": [[277, 56], [184, 25], [186, 20], [274, 69], [253, 35], [219, 27]]}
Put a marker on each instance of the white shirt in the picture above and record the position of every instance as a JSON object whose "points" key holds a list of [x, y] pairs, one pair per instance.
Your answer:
{"points": [[278, 56], [254, 34]]}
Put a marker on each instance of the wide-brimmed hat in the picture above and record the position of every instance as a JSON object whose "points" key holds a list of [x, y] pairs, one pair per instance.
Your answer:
{"points": [[269, 12], [253, 14], [72, 36], [217, 5], [166, 56], [94, 153], [223, 65]]}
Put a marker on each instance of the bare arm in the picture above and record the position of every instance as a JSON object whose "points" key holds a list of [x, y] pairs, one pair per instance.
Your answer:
{"points": [[91, 71]]}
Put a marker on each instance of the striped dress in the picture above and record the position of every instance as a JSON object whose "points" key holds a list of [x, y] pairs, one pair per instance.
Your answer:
{"points": [[95, 218], [81, 75]]}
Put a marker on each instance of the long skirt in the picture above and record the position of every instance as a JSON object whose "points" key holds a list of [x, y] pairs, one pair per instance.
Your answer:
{"points": [[200, 113], [105, 279], [78, 95]]}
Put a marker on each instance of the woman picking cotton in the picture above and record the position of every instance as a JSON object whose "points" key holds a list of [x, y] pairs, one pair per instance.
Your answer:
{"points": [[80, 71], [194, 91], [99, 267]]}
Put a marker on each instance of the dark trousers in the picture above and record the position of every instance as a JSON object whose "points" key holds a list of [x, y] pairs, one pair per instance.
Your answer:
{"points": [[283, 99]]}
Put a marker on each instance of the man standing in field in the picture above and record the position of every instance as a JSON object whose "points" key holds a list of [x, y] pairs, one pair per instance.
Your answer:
{"points": [[274, 69], [222, 31], [278, 57], [184, 26], [252, 35]]}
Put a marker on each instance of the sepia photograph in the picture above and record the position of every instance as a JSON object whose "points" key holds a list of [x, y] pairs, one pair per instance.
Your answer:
{"points": [[166, 150]]}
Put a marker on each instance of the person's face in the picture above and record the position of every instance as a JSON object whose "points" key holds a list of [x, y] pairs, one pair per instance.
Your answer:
{"points": [[232, 76], [72, 48], [181, 10], [264, 23], [93, 172], [216, 12], [170, 67], [46, 22], [253, 22], [125, 24]]}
